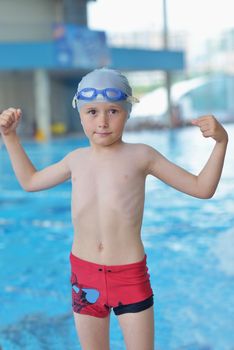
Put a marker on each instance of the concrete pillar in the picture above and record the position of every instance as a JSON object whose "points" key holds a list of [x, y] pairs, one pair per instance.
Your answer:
{"points": [[42, 104], [167, 73], [75, 12]]}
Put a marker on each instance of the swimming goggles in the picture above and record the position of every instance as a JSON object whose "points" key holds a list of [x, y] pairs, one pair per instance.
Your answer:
{"points": [[109, 94], [91, 295]]}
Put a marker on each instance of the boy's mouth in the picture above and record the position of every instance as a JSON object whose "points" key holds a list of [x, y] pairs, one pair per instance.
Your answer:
{"points": [[103, 133]]}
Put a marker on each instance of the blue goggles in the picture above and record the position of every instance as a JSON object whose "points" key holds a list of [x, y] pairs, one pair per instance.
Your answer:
{"points": [[91, 295], [109, 94]]}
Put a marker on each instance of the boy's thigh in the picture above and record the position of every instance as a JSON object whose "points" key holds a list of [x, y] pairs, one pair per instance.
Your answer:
{"points": [[138, 329], [93, 332]]}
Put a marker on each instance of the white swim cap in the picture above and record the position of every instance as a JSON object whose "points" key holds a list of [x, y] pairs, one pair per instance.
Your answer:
{"points": [[104, 78]]}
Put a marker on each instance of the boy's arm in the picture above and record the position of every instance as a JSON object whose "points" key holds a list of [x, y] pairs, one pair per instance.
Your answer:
{"points": [[205, 184], [29, 178]]}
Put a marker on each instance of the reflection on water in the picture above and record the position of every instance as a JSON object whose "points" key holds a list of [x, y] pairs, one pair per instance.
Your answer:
{"points": [[189, 244], [34, 331], [223, 249]]}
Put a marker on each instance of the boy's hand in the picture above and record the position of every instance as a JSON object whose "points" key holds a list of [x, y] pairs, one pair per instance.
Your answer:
{"points": [[9, 120], [210, 127]]}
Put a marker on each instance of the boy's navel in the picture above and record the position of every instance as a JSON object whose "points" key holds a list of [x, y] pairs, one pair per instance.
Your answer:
{"points": [[100, 246]]}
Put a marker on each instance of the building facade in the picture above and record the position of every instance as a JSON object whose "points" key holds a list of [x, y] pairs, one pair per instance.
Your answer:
{"points": [[42, 92], [45, 49]]}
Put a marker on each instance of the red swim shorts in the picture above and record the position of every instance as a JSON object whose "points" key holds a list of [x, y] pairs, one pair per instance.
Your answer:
{"points": [[96, 289]]}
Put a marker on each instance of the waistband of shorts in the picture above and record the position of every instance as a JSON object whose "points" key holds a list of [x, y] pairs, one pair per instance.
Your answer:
{"points": [[87, 264]]}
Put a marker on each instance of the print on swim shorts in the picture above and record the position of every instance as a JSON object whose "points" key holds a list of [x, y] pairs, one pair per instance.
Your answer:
{"points": [[82, 297]]}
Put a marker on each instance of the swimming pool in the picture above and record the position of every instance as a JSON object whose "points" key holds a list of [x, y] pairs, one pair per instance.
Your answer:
{"points": [[189, 244]]}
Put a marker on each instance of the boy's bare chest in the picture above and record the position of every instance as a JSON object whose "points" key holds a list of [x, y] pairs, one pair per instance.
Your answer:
{"points": [[106, 178]]}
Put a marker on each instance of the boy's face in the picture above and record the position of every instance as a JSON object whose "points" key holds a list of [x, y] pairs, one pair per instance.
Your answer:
{"points": [[103, 122]]}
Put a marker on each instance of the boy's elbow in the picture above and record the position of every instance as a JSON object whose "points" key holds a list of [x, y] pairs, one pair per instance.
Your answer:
{"points": [[205, 191], [33, 186], [27, 188], [206, 195], [28, 183]]}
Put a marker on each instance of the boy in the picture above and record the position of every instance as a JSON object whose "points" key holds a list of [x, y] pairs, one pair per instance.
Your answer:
{"points": [[108, 261]]}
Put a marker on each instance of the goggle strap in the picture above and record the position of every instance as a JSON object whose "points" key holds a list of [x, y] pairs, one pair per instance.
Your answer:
{"points": [[74, 102], [132, 99]]}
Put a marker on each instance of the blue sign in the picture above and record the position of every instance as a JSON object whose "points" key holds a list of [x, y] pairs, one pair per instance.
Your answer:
{"points": [[80, 47]]}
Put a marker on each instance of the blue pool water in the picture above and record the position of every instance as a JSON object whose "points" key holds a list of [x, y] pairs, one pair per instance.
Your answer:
{"points": [[189, 243]]}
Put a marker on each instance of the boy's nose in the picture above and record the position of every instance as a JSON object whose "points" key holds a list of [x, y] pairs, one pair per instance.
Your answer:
{"points": [[103, 121]]}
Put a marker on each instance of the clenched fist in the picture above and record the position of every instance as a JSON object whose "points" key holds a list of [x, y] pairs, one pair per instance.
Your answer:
{"points": [[9, 120], [210, 127]]}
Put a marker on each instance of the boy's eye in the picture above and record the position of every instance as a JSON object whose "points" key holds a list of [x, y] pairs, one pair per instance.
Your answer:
{"points": [[113, 111], [92, 112]]}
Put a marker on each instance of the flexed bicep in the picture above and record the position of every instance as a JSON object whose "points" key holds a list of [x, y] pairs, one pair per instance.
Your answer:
{"points": [[172, 174], [49, 176]]}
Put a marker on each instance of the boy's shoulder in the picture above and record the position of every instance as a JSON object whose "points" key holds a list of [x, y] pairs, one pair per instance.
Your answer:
{"points": [[141, 154], [139, 148], [77, 153]]}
